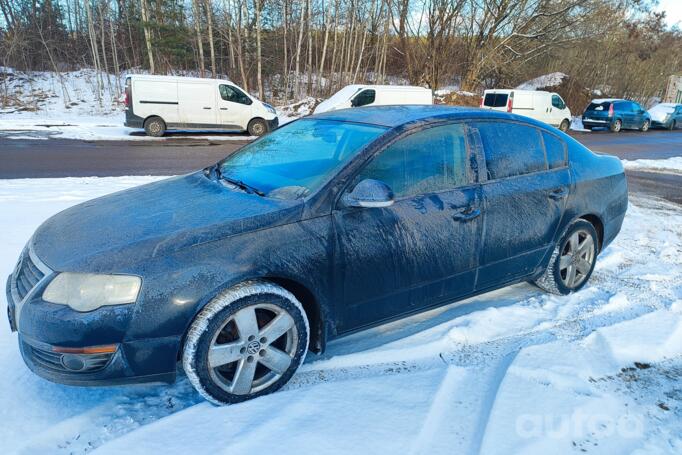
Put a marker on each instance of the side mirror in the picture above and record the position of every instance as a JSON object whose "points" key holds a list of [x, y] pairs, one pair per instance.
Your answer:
{"points": [[354, 102], [369, 193]]}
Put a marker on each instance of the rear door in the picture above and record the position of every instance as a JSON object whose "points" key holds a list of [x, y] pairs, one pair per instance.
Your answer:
{"points": [[197, 104], [423, 249], [495, 100], [523, 199]]}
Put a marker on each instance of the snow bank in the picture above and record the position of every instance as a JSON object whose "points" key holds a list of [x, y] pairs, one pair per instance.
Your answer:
{"points": [[512, 371], [670, 165], [546, 80]]}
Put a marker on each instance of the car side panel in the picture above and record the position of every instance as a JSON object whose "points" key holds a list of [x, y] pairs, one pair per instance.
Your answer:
{"points": [[600, 190]]}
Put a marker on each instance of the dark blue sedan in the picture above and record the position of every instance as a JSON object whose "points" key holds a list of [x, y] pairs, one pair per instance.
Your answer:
{"points": [[329, 225]]}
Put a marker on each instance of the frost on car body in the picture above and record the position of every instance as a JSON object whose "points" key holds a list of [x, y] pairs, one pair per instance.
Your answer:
{"points": [[463, 201]]}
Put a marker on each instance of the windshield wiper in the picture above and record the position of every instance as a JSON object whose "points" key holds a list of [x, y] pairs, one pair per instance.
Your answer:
{"points": [[238, 183]]}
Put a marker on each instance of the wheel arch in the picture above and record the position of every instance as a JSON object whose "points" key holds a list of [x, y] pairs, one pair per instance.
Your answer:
{"points": [[598, 224], [314, 312]]}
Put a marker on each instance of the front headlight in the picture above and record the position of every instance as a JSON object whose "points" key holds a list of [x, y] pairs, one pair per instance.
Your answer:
{"points": [[88, 291], [270, 108]]}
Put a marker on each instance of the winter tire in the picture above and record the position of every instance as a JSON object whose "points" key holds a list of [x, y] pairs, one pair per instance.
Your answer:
{"points": [[565, 124], [155, 127], [257, 127], [645, 127], [247, 342], [572, 261], [616, 126]]}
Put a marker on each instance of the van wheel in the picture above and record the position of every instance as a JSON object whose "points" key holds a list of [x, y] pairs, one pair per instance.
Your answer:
{"points": [[645, 127], [154, 126], [247, 342], [257, 127], [564, 125], [616, 126]]}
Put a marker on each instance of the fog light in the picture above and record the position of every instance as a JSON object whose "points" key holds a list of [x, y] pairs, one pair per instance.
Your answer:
{"points": [[73, 362]]}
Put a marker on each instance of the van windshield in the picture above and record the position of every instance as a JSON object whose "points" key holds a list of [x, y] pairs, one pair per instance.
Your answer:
{"points": [[294, 160], [495, 99]]}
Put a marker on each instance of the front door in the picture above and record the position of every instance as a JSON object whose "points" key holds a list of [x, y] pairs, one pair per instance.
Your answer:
{"points": [[523, 199], [234, 107], [423, 249], [196, 104]]}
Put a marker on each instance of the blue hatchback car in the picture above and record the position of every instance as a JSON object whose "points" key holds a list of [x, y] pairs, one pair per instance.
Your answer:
{"points": [[616, 114], [329, 225]]}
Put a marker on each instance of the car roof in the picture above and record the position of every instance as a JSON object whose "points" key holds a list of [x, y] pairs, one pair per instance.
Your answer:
{"points": [[154, 77], [606, 100], [395, 116]]}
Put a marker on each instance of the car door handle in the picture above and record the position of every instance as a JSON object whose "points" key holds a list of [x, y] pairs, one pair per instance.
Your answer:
{"points": [[558, 193], [466, 214], [223, 108], [207, 107]]}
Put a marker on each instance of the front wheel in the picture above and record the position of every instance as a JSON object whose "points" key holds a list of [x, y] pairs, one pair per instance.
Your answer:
{"points": [[572, 261], [246, 342], [673, 125], [645, 126], [564, 125], [257, 127]]}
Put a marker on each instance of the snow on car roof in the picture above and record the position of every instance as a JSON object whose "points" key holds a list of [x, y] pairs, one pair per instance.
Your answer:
{"points": [[606, 100]]}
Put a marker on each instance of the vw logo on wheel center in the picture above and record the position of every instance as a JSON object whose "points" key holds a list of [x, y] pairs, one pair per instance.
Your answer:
{"points": [[253, 347]]}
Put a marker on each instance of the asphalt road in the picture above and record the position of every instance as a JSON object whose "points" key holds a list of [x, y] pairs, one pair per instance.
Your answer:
{"points": [[25, 158]]}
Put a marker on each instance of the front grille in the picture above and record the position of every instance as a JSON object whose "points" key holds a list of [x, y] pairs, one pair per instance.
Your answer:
{"points": [[54, 361], [27, 275]]}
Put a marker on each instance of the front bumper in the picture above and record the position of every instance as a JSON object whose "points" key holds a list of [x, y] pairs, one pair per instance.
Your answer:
{"points": [[656, 124], [45, 329], [273, 124]]}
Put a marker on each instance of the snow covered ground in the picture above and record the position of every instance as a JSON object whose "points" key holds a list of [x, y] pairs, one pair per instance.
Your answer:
{"points": [[513, 371], [670, 165]]}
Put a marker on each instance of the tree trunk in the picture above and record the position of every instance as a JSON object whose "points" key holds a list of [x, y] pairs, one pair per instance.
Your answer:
{"points": [[197, 29], [209, 20], [147, 34], [258, 4]]}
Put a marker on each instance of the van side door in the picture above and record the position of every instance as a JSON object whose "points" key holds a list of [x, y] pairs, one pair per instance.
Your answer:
{"points": [[524, 198], [196, 105]]}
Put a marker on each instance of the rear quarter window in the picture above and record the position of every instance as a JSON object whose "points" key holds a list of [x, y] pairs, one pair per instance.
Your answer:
{"points": [[556, 150], [511, 149]]}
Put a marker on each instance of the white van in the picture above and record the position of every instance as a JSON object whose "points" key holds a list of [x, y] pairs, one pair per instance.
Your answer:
{"points": [[543, 106], [375, 95], [159, 103]]}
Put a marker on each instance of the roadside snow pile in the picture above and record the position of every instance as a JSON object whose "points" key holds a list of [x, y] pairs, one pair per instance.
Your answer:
{"points": [[670, 165], [547, 80], [292, 111], [512, 371]]}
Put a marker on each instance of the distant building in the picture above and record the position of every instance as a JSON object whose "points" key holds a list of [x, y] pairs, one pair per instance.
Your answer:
{"points": [[673, 92]]}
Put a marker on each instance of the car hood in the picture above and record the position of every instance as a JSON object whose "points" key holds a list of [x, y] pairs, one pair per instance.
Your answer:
{"points": [[110, 233]]}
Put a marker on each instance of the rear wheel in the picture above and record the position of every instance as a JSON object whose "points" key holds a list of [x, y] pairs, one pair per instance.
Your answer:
{"points": [[245, 343], [154, 126], [645, 126], [572, 261], [257, 127], [565, 124], [616, 126]]}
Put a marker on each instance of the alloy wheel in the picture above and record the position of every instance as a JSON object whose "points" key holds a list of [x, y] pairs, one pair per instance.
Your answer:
{"points": [[252, 349], [577, 259]]}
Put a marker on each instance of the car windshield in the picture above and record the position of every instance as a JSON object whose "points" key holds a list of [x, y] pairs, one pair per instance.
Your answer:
{"points": [[294, 160]]}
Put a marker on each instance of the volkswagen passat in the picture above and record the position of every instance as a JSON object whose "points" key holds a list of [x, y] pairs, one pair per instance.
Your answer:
{"points": [[328, 225]]}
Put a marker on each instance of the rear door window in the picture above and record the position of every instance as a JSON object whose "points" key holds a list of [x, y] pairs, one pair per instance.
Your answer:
{"points": [[428, 161], [495, 99], [556, 150], [511, 149]]}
